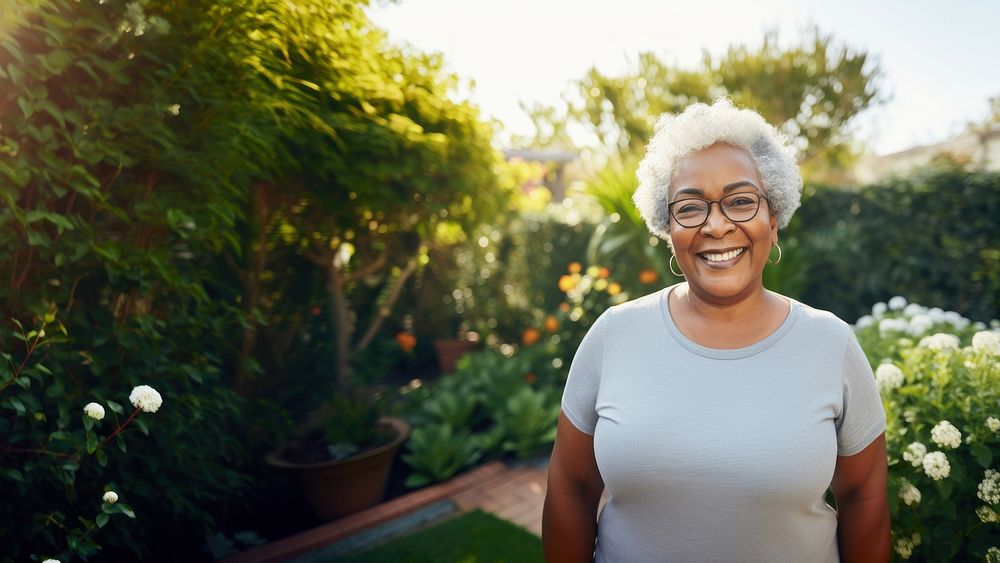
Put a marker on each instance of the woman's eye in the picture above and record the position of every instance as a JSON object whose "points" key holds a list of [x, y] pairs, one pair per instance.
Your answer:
{"points": [[691, 208], [741, 201]]}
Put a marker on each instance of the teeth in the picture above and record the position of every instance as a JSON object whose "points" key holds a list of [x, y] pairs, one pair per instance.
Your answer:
{"points": [[723, 256]]}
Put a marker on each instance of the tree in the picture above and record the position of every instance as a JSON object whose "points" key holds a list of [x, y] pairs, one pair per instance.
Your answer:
{"points": [[811, 91]]}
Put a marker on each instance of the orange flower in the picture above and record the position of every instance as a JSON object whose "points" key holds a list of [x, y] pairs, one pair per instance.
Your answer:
{"points": [[615, 288], [648, 276], [575, 267], [564, 307], [530, 336], [406, 341], [551, 324], [566, 283], [530, 378], [604, 273]]}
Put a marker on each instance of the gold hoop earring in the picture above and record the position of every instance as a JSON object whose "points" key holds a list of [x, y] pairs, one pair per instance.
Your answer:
{"points": [[670, 264], [778, 246]]}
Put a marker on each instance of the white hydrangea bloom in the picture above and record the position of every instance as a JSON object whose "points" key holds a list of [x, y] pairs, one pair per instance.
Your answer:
{"points": [[909, 415], [936, 314], [993, 555], [145, 398], [955, 320], [885, 326], [919, 324], [914, 309], [987, 515], [865, 322], [879, 309], [989, 488], [889, 377], [936, 465], [987, 342], [94, 410], [993, 423], [915, 453], [946, 435], [909, 493], [904, 547], [110, 497], [51, 561], [897, 303], [941, 341]]}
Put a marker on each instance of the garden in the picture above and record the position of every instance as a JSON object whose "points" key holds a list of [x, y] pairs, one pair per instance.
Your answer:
{"points": [[243, 238]]}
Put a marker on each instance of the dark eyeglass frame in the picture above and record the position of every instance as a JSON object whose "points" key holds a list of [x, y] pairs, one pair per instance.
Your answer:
{"points": [[672, 206]]}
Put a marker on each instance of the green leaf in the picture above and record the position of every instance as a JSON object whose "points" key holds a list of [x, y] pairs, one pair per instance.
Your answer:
{"points": [[984, 455], [102, 458], [91, 442], [115, 407], [102, 519], [126, 509], [26, 107], [12, 474]]}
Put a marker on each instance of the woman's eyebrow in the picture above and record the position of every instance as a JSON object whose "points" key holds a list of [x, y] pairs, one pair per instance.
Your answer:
{"points": [[725, 189]]}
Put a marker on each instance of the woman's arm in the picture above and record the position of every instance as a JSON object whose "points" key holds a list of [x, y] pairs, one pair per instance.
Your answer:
{"points": [[859, 485], [569, 518]]}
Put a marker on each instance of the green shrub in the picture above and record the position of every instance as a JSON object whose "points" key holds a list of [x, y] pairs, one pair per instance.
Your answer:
{"points": [[942, 402]]}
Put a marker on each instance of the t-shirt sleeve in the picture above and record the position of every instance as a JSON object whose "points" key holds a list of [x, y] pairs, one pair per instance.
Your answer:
{"points": [[580, 395], [862, 418]]}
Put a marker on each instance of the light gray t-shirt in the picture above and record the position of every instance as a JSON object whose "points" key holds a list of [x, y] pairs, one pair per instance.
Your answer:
{"points": [[720, 455]]}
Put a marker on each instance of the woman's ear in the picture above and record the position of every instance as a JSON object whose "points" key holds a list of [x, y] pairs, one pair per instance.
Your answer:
{"points": [[774, 229]]}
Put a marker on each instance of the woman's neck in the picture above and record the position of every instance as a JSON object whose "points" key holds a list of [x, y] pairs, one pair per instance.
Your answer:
{"points": [[752, 305]]}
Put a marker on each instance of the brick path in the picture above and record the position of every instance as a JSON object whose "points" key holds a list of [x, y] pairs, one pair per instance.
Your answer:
{"points": [[515, 494]]}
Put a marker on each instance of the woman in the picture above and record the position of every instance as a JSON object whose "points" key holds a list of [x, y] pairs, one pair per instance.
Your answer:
{"points": [[718, 413]]}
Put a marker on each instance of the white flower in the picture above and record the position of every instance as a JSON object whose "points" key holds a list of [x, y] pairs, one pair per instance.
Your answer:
{"points": [[865, 322], [956, 320], [993, 555], [879, 309], [987, 515], [51, 561], [914, 309], [987, 342], [920, 324], [936, 314], [941, 341], [946, 435], [110, 497], [936, 465], [915, 453], [886, 326], [993, 423], [910, 416], [904, 548], [897, 303], [889, 377], [146, 398], [989, 488], [93, 410], [909, 493]]}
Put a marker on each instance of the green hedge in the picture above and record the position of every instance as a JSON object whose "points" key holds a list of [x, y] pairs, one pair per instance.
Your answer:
{"points": [[931, 236]]}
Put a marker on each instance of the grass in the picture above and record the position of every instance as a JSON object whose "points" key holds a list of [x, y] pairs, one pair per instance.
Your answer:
{"points": [[474, 537]]}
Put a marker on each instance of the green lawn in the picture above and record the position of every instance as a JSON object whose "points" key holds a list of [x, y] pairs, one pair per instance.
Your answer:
{"points": [[474, 537]]}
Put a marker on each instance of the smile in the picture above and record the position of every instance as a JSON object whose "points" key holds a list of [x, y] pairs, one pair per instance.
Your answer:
{"points": [[722, 256]]}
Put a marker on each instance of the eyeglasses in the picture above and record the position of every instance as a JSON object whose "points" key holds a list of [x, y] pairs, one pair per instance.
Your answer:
{"points": [[693, 212]]}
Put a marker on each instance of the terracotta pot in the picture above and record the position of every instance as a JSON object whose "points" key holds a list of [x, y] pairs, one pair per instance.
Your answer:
{"points": [[337, 488], [449, 352]]}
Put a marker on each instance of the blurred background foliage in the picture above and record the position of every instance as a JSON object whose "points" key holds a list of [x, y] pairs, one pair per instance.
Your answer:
{"points": [[256, 205]]}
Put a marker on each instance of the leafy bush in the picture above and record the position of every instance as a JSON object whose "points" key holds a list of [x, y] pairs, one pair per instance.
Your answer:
{"points": [[492, 405], [930, 235], [942, 402]]}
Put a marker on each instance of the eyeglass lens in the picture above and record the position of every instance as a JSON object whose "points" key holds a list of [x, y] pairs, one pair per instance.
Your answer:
{"points": [[694, 212]]}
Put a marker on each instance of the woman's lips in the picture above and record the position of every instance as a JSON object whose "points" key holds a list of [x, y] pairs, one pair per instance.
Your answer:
{"points": [[721, 260]]}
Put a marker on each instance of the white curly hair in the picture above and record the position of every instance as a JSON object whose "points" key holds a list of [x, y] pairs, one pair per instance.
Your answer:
{"points": [[700, 126]]}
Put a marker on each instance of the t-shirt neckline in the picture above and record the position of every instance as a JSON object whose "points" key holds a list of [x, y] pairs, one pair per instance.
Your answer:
{"points": [[726, 353]]}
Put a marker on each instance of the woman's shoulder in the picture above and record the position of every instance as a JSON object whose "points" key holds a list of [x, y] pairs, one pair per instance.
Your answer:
{"points": [[819, 320]]}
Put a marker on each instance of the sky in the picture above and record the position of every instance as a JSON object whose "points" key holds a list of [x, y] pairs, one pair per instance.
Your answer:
{"points": [[940, 60]]}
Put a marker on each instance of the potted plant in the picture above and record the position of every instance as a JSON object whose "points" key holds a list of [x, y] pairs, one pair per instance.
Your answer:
{"points": [[342, 455], [450, 350]]}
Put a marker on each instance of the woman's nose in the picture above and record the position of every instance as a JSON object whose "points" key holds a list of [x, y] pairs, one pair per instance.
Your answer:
{"points": [[717, 223]]}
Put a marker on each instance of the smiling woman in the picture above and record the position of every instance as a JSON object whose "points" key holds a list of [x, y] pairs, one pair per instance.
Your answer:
{"points": [[717, 413]]}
